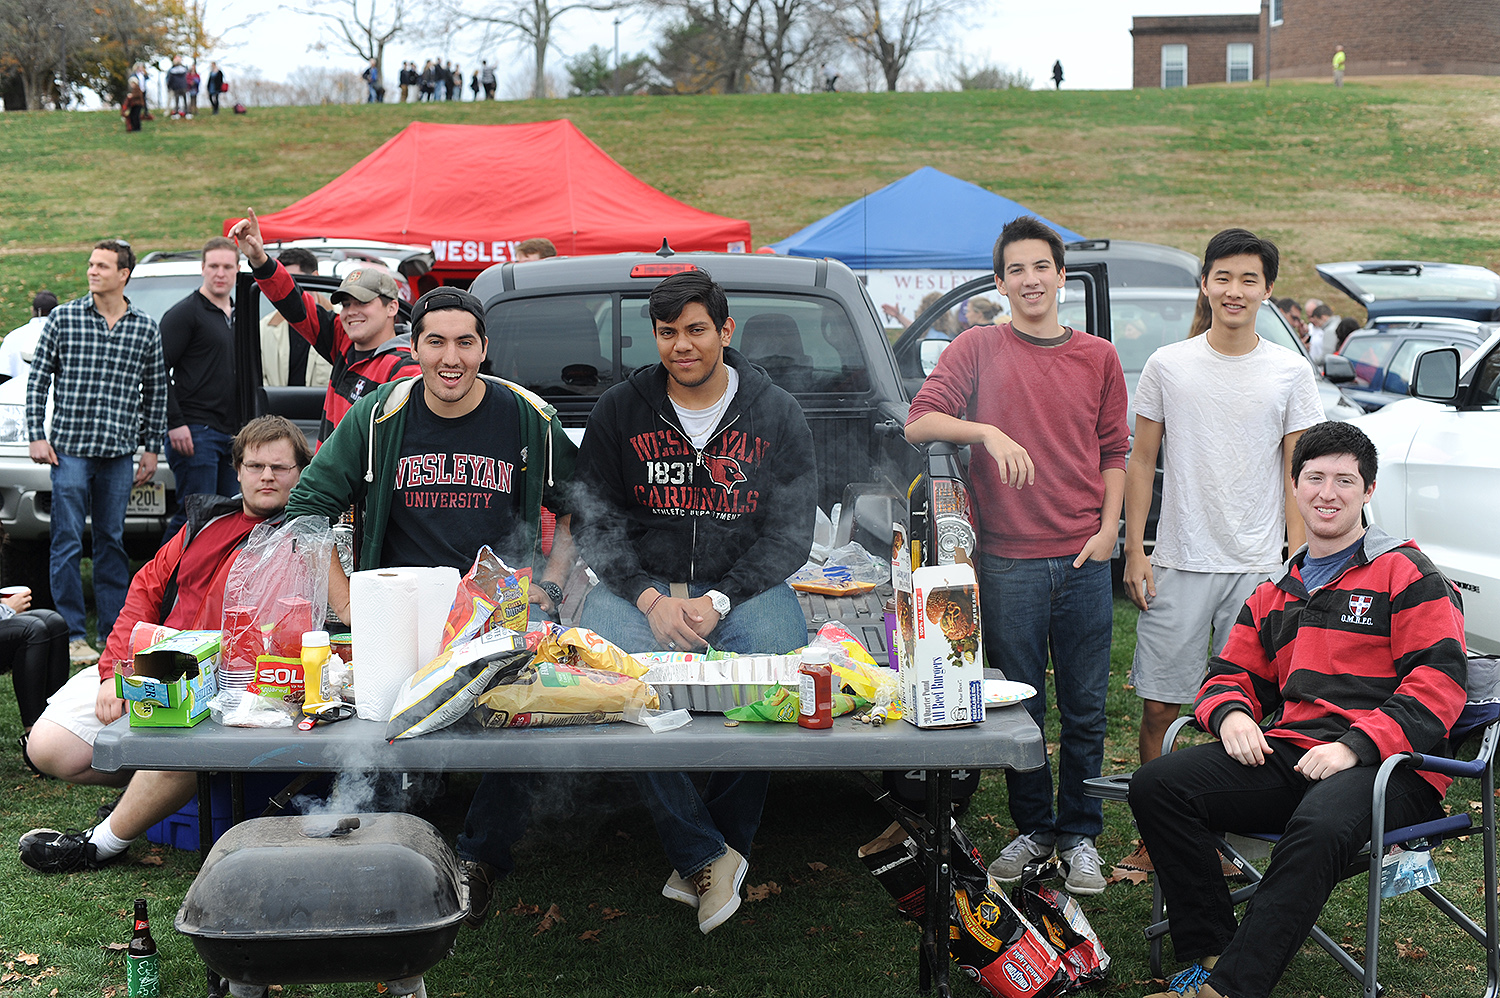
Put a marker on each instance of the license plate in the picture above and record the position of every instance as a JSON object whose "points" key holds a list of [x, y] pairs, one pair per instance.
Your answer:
{"points": [[147, 500]]}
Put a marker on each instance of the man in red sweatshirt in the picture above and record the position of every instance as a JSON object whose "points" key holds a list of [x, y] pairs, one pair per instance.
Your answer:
{"points": [[360, 341], [1352, 656], [1044, 406], [183, 588]]}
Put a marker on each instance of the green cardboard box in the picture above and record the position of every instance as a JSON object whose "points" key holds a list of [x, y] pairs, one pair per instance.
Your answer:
{"points": [[173, 681]]}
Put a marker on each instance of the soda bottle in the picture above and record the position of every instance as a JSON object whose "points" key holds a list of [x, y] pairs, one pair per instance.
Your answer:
{"points": [[142, 965]]}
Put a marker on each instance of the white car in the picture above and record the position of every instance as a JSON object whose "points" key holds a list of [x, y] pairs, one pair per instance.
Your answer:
{"points": [[1439, 478]]}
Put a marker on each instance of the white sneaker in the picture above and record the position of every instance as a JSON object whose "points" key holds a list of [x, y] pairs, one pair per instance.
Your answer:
{"points": [[679, 888], [1023, 849], [80, 651], [1085, 875]]}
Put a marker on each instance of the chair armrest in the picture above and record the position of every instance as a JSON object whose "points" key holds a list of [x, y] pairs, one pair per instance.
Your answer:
{"points": [[1449, 767]]}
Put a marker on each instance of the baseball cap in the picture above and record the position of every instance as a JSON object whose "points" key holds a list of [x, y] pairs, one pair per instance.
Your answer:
{"points": [[365, 284], [444, 298]]}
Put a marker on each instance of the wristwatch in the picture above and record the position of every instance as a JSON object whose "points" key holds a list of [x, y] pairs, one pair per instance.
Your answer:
{"points": [[554, 592], [720, 602]]}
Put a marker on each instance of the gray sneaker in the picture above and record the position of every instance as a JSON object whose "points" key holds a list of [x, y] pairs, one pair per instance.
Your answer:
{"points": [[1084, 869], [1013, 858]]}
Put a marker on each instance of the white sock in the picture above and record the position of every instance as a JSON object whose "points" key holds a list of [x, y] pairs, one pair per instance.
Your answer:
{"points": [[106, 842]]}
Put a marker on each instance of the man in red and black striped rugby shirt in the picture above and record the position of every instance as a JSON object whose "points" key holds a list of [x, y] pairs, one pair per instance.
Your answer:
{"points": [[1355, 654]]}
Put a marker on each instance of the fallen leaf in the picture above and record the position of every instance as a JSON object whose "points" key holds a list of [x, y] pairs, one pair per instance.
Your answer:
{"points": [[762, 891], [30, 959], [150, 859], [817, 867], [9, 976], [622, 835], [1407, 950], [52, 993], [552, 918], [813, 930], [703, 989], [110, 991], [1121, 875], [525, 910], [610, 914], [116, 947], [589, 936]]}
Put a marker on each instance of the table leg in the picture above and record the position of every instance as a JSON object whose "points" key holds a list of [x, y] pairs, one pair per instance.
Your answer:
{"points": [[933, 966], [205, 815]]}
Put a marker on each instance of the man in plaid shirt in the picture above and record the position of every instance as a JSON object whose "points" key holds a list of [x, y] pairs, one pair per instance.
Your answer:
{"points": [[101, 358]]}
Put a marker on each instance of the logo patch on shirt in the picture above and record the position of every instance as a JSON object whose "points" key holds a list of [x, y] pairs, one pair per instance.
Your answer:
{"points": [[723, 471], [1359, 605]]}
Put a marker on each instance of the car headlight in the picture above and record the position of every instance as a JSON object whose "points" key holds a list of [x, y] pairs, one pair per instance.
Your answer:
{"points": [[12, 424]]}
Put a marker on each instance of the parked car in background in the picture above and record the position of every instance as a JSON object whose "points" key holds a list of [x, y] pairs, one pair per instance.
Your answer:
{"points": [[1440, 475], [1136, 265], [1383, 355], [1417, 288]]}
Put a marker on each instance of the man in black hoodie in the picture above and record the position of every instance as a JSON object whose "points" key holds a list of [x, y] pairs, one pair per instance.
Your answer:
{"points": [[696, 496]]}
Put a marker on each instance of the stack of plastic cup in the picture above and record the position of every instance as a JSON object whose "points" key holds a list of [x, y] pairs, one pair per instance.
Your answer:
{"points": [[239, 647]]}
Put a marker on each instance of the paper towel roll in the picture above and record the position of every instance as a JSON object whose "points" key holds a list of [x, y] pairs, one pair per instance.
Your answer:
{"points": [[384, 605], [436, 588]]}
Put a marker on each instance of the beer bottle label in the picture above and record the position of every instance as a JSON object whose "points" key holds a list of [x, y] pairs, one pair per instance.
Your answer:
{"points": [[143, 976]]}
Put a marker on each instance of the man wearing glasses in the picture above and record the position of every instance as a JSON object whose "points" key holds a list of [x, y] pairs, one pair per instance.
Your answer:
{"points": [[182, 587], [101, 359]]}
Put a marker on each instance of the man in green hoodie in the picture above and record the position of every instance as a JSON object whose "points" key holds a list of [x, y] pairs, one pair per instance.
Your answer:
{"points": [[436, 467]]}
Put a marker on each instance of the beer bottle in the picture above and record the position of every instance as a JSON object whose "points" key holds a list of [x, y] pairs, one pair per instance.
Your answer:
{"points": [[142, 965]]}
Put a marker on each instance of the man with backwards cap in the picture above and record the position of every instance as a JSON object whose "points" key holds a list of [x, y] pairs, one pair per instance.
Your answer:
{"points": [[360, 341], [436, 467]]}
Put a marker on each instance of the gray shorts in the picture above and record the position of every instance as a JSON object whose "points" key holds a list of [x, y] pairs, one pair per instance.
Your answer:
{"points": [[72, 706], [1172, 638]]}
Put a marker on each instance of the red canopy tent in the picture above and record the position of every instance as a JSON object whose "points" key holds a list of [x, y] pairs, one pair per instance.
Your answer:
{"points": [[474, 191]]}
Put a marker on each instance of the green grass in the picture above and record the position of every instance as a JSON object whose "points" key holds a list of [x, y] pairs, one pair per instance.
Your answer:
{"points": [[1383, 168], [829, 931]]}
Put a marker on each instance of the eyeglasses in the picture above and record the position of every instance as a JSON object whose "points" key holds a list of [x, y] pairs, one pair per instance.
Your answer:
{"points": [[279, 470]]}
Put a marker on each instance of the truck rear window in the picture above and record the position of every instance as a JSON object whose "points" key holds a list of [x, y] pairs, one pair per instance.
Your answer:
{"points": [[580, 345]]}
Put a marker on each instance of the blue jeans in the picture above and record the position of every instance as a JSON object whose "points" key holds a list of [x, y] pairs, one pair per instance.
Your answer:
{"points": [[696, 827], [84, 487], [207, 469], [1030, 607]]}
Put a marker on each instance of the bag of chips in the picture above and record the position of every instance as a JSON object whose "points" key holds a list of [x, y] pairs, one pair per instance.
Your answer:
{"points": [[491, 594], [1061, 919], [782, 703], [585, 649], [545, 694], [445, 689]]}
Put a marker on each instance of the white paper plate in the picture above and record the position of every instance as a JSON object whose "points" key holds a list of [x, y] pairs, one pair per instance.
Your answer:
{"points": [[999, 692]]}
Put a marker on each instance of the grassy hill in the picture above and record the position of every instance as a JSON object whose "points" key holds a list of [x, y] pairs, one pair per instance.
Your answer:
{"points": [[1397, 167]]}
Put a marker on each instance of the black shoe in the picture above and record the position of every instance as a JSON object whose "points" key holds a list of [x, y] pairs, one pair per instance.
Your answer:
{"points": [[479, 877], [103, 811], [46, 850]]}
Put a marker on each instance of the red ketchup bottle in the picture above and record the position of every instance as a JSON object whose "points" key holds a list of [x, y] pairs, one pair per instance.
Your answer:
{"points": [[815, 690]]}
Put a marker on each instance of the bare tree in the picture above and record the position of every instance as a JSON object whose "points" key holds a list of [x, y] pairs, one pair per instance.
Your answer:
{"points": [[891, 31], [531, 22], [365, 27], [715, 36], [787, 35], [33, 37]]}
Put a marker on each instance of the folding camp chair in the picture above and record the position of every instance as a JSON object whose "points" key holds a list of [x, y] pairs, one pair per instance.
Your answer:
{"points": [[1481, 719]]}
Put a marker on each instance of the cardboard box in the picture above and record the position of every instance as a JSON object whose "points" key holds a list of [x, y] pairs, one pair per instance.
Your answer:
{"points": [[173, 681], [901, 584], [942, 679]]}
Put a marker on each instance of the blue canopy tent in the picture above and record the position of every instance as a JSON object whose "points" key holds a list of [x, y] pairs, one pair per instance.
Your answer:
{"points": [[927, 220]]}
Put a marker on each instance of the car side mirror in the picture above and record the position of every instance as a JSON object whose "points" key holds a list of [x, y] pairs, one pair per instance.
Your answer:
{"points": [[1436, 375], [1338, 369], [930, 352]]}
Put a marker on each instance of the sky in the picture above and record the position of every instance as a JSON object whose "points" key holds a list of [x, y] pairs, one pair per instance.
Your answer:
{"points": [[1091, 37]]}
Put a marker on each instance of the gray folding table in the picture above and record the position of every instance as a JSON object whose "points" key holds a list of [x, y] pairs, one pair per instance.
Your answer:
{"points": [[1008, 739]]}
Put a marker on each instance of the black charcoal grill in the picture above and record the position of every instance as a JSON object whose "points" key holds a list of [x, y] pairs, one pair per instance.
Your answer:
{"points": [[323, 900]]}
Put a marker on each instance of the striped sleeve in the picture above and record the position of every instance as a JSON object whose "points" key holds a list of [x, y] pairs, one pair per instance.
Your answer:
{"points": [[1243, 676]]}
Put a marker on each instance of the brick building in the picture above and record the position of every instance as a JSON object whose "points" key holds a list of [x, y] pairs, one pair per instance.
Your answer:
{"points": [[1380, 38]]}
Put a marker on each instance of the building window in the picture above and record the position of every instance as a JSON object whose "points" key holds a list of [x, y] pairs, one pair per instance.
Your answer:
{"points": [[1174, 65], [1241, 63], [1276, 11]]}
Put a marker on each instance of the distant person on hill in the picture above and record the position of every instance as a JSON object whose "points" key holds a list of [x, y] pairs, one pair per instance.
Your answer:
{"points": [[194, 84], [215, 85], [140, 76], [455, 82], [487, 79], [535, 249], [371, 76], [426, 82], [1338, 66], [830, 76], [1057, 76], [133, 106], [440, 80], [177, 85], [474, 84]]}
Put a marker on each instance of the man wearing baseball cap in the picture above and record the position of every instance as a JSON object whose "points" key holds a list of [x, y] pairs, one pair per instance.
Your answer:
{"points": [[360, 341]]}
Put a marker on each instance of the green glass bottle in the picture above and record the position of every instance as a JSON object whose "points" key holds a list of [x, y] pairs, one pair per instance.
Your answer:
{"points": [[142, 964]]}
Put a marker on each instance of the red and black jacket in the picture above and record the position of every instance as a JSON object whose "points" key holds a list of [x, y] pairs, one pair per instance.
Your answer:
{"points": [[1373, 659], [355, 372]]}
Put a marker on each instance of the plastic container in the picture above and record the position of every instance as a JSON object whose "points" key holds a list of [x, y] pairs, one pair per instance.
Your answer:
{"points": [[314, 655], [180, 830], [239, 647], [815, 690], [293, 618]]}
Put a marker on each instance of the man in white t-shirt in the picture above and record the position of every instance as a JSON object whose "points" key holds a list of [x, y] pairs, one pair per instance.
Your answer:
{"points": [[20, 343], [1225, 410]]}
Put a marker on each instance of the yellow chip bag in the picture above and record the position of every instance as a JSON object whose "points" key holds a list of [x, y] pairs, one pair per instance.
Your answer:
{"points": [[547, 694], [583, 648]]}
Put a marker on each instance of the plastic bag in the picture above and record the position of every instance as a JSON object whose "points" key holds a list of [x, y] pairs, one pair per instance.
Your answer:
{"points": [[782, 703], [445, 689], [491, 594], [276, 590], [238, 709], [847, 571], [545, 694]]}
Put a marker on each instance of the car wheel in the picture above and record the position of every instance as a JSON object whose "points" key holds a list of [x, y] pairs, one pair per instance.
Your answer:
{"points": [[24, 563]]}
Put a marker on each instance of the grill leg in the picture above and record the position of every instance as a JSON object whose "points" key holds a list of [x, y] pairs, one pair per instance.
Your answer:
{"points": [[413, 986]]}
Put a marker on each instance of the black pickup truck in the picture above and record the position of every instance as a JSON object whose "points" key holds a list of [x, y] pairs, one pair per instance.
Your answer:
{"points": [[568, 328]]}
